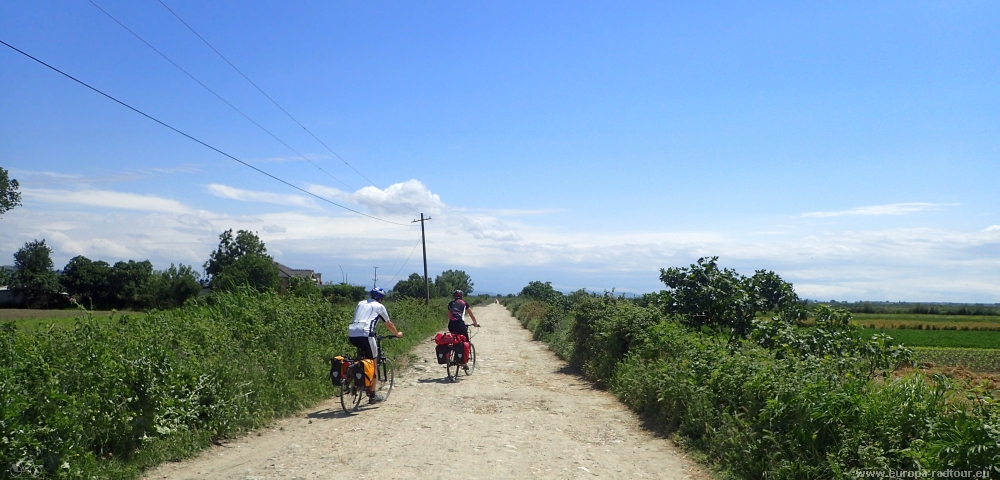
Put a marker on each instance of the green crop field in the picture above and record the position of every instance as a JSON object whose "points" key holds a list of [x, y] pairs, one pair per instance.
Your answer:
{"points": [[945, 338], [927, 322], [974, 359]]}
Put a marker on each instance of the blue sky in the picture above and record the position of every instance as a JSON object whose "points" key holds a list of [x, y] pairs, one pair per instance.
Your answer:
{"points": [[851, 147]]}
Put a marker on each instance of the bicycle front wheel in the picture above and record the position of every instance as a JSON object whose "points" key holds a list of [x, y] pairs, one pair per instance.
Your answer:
{"points": [[386, 372], [472, 359]]}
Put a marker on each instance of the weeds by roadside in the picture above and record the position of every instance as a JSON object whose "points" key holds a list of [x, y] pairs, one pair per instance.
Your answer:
{"points": [[108, 398], [801, 404]]}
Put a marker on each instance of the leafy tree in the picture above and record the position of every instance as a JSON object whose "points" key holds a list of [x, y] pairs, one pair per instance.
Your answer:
{"points": [[708, 296], [344, 292], [451, 280], [256, 271], [579, 295], [412, 287], [241, 260], [772, 293], [4, 277], [86, 279], [303, 287], [9, 196], [232, 249], [33, 276], [537, 290], [832, 337], [173, 286], [130, 283]]}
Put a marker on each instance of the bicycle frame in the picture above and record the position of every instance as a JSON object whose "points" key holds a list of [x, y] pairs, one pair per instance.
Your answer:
{"points": [[353, 390]]}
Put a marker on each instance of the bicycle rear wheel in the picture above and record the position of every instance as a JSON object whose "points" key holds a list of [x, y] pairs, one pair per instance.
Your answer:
{"points": [[351, 394], [472, 359], [453, 369], [386, 374]]}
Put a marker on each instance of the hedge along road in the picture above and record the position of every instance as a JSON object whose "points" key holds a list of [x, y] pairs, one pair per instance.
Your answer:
{"points": [[520, 414]]}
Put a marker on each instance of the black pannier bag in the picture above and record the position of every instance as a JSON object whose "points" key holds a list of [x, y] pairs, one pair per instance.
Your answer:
{"points": [[462, 352], [338, 370], [357, 373], [443, 353]]}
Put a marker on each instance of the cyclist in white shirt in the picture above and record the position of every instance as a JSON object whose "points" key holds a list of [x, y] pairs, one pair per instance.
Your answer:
{"points": [[361, 331]]}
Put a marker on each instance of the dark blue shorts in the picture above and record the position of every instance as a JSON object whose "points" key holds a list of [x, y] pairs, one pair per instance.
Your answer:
{"points": [[459, 326]]}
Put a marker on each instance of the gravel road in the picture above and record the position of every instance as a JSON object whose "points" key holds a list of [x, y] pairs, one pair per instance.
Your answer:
{"points": [[522, 413]]}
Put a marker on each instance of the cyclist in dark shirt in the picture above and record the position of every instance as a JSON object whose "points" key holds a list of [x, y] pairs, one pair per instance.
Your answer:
{"points": [[456, 315]]}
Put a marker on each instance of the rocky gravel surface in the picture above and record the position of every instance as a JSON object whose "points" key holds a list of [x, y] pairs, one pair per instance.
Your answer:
{"points": [[522, 413]]}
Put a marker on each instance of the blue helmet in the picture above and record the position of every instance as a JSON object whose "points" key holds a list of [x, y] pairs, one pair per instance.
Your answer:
{"points": [[377, 293]]}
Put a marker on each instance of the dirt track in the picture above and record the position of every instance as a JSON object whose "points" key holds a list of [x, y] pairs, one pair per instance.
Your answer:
{"points": [[520, 414]]}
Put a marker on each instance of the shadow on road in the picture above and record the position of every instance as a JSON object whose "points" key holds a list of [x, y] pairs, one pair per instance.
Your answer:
{"points": [[570, 370], [327, 414], [433, 380]]}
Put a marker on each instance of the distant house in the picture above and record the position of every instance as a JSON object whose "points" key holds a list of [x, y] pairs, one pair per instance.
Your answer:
{"points": [[285, 273], [7, 297]]}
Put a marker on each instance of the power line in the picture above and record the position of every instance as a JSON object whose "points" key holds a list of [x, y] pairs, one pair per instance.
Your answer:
{"points": [[241, 162], [206, 87], [223, 57], [405, 261]]}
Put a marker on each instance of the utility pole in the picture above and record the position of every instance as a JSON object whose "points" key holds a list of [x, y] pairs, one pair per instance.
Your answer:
{"points": [[423, 240], [375, 284]]}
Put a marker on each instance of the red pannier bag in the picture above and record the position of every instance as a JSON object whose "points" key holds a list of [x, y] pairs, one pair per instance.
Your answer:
{"points": [[445, 339], [462, 352]]}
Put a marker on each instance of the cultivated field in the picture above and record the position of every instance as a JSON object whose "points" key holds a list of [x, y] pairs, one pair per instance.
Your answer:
{"points": [[927, 322], [970, 342]]}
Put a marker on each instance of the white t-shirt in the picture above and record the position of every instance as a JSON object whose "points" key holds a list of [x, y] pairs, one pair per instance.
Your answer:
{"points": [[366, 317]]}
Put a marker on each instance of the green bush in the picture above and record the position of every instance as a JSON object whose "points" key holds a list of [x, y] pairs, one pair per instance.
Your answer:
{"points": [[789, 403], [604, 331], [344, 293]]}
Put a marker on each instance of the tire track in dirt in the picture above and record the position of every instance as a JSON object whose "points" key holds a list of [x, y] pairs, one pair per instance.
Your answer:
{"points": [[520, 414]]}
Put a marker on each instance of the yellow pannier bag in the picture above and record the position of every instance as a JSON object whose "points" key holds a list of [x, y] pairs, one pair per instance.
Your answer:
{"points": [[369, 371]]}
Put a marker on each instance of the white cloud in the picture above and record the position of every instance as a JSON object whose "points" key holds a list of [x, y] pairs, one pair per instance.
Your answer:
{"points": [[179, 169], [890, 209], [517, 212], [889, 264], [400, 199], [329, 192], [225, 191], [19, 172], [292, 158], [106, 199]]}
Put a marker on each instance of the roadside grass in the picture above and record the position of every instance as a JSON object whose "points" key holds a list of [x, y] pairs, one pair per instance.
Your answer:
{"points": [[27, 320], [417, 321], [759, 413], [110, 397], [7, 314]]}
